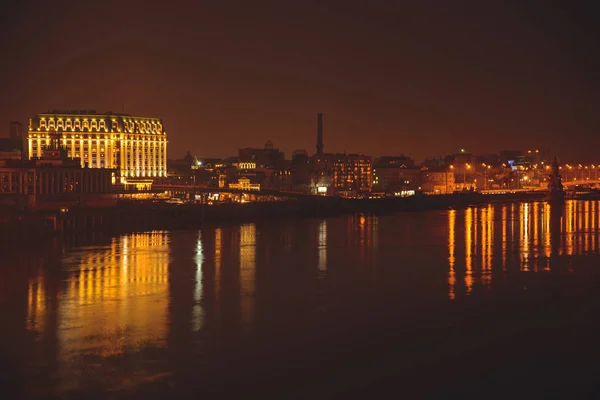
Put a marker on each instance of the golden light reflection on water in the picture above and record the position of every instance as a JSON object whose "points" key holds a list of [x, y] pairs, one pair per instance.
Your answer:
{"points": [[451, 256], [368, 235], [197, 311], [468, 248], [322, 255], [36, 304], [117, 296], [247, 272], [504, 238], [218, 256], [524, 236], [532, 236], [487, 240]]}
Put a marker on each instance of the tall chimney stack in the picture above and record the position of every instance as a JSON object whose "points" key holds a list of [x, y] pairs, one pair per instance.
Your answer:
{"points": [[319, 134]]}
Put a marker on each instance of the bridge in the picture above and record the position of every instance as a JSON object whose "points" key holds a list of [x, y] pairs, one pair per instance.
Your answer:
{"points": [[566, 184], [581, 182], [271, 193]]}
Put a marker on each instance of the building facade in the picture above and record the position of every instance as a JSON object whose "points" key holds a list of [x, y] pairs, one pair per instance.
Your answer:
{"points": [[395, 174], [136, 147], [267, 157], [438, 181], [52, 182], [348, 174]]}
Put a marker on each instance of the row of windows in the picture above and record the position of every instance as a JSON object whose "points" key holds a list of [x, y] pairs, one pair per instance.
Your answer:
{"points": [[94, 149], [94, 141], [68, 124], [93, 124], [143, 126]]}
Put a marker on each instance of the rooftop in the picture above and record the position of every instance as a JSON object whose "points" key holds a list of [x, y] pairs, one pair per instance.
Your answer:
{"points": [[84, 112]]}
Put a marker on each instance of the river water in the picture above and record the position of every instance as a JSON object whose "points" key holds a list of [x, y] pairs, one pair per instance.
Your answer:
{"points": [[495, 300]]}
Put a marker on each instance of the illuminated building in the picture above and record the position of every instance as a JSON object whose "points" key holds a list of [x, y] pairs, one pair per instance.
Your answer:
{"points": [[346, 174], [244, 183], [438, 181], [246, 165], [134, 146]]}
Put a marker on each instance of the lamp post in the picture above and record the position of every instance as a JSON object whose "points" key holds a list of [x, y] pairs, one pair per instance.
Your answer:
{"points": [[574, 175], [451, 167], [467, 166], [588, 172]]}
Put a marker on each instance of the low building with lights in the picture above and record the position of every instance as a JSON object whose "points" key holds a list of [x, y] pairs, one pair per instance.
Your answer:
{"points": [[437, 180], [53, 182], [136, 147], [244, 183]]}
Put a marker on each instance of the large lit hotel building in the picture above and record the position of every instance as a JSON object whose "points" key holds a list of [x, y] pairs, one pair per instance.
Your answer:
{"points": [[136, 147]]}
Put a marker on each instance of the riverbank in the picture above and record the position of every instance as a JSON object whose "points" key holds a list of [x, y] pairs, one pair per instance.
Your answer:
{"points": [[135, 216]]}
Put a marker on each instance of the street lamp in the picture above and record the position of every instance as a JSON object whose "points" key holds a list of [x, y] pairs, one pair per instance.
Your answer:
{"points": [[467, 166], [451, 167], [588, 172]]}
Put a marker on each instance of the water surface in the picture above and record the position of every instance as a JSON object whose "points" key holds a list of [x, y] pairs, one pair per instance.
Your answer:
{"points": [[481, 301]]}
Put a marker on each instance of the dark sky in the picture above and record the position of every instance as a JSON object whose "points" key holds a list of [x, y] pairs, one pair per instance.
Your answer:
{"points": [[416, 77]]}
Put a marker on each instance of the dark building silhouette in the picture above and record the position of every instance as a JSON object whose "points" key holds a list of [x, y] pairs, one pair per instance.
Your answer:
{"points": [[300, 170], [268, 157], [506, 155], [15, 141], [319, 134], [393, 174], [16, 131]]}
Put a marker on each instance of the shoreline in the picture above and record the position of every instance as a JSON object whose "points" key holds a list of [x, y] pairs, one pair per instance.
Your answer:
{"points": [[141, 216]]}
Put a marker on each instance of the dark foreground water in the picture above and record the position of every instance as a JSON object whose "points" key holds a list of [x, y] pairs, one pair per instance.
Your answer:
{"points": [[495, 301]]}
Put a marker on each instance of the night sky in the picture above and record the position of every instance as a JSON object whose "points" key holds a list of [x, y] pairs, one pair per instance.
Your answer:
{"points": [[423, 78]]}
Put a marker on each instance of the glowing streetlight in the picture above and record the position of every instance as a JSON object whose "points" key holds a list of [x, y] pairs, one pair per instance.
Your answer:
{"points": [[485, 181]]}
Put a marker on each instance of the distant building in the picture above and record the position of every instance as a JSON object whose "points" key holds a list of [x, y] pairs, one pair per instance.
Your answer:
{"points": [[438, 180], [16, 138], [182, 170], [433, 163], [487, 159], [15, 131], [463, 164], [11, 146], [244, 183], [267, 157], [52, 181], [394, 161], [349, 174], [508, 155], [300, 171], [459, 159], [136, 147], [395, 174]]}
